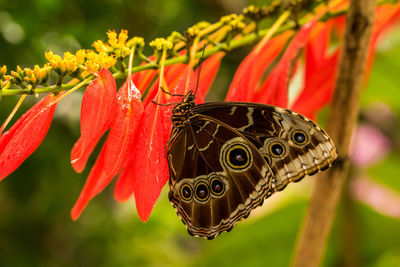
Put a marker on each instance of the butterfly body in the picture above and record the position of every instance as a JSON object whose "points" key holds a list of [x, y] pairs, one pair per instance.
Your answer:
{"points": [[225, 158]]}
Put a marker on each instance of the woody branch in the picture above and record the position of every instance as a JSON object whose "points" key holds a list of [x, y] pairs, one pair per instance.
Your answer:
{"points": [[341, 122]]}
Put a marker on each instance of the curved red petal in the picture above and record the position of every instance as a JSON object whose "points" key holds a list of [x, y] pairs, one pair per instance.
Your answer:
{"points": [[95, 183], [80, 155], [150, 169], [143, 79], [22, 139], [97, 114], [317, 48], [386, 16], [318, 89], [312, 101], [124, 185], [274, 90], [208, 72], [119, 142], [253, 67]]}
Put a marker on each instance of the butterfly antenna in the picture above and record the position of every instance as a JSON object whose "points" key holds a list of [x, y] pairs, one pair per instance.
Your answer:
{"points": [[163, 105], [200, 64], [171, 94]]}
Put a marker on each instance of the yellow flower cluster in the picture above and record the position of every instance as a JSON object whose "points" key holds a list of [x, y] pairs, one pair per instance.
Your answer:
{"points": [[95, 61], [135, 41], [258, 13], [71, 63], [68, 64], [82, 63], [35, 77], [234, 22], [195, 29], [117, 44], [161, 44], [3, 71]]}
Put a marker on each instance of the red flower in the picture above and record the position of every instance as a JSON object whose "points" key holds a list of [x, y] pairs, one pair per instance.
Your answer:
{"points": [[245, 83], [146, 172], [22, 139], [97, 112], [118, 147], [386, 17], [318, 88], [274, 89]]}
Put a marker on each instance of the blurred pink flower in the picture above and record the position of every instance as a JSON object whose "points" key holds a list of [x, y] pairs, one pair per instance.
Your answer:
{"points": [[379, 197], [368, 145]]}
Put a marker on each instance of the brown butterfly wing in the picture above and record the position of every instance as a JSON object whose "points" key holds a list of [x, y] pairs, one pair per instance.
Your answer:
{"points": [[292, 144], [217, 176]]}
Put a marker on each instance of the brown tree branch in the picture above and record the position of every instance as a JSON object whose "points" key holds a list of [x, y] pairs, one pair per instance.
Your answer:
{"points": [[349, 235], [342, 119]]}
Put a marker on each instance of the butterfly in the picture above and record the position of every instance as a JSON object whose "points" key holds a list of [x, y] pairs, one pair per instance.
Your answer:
{"points": [[225, 158]]}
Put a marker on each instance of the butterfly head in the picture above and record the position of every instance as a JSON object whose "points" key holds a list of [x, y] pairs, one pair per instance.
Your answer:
{"points": [[183, 111]]}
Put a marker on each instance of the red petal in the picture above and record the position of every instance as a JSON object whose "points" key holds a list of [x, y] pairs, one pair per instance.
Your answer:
{"points": [[318, 89], [97, 113], [239, 89], [95, 183], [79, 155], [185, 82], [124, 186], [22, 139], [143, 79], [274, 90], [116, 150], [339, 25], [119, 141], [208, 72], [386, 16], [253, 67], [316, 48], [173, 73], [150, 166]]}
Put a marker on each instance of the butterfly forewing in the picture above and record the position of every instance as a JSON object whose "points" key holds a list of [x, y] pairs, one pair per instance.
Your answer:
{"points": [[217, 176], [292, 144]]}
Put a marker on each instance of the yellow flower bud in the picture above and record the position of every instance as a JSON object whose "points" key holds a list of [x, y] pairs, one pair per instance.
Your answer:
{"points": [[3, 70], [100, 46], [123, 36], [33, 78], [112, 38], [160, 44]]}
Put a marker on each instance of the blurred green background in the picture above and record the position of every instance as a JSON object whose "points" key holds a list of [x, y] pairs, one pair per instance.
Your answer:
{"points": [[35, 201]]}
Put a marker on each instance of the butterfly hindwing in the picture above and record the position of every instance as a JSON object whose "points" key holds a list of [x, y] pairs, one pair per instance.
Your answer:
{"points": [[217, 176], [292, 145]]}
